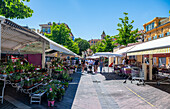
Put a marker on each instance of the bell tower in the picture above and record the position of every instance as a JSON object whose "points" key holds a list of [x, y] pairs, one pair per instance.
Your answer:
{"points": [[103, 35]]}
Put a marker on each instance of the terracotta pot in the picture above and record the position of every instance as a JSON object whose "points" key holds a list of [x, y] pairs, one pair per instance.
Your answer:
{"points": [[16, 81]]}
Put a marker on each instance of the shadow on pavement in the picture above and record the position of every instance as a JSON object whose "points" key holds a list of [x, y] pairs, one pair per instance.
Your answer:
{"points": [[163, 87], [112, 76]]}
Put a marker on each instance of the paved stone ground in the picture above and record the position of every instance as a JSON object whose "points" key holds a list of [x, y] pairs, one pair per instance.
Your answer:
{"points": [[14, 99], [107, 91]]}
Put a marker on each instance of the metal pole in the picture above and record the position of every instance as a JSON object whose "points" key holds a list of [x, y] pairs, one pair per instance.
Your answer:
{"points": [[43, 54], [0, 39], [108, 64]]}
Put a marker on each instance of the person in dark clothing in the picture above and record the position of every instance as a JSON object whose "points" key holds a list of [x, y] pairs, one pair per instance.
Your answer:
{"points": [[83, 65], [126, 61], [96, 63]]}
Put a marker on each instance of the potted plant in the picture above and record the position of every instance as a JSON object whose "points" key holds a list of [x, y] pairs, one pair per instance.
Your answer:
{"points": [[9, 68], [16, 77], [51, 95], [28, 83]]}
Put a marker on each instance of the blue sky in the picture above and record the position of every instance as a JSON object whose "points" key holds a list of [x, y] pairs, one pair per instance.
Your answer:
{"points": [[88, 18]]}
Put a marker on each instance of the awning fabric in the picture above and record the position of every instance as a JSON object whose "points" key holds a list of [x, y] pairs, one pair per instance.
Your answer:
{"points": [[157, 46], [14, 36], [124, 50], [17, 38], [155, 51], [57, 47], [107, 54]]}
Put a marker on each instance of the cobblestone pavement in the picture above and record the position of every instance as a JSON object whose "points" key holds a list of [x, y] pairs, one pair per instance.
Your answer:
{"points": [[107, 91]]}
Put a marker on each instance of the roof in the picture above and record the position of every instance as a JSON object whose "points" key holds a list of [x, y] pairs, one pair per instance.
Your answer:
{"points": [[14, 37], [124, 50], [103, 33], [106, 54], [153, 44]]}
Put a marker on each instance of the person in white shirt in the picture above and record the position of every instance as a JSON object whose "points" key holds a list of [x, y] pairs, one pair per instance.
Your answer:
{"points": [[123, 62]]}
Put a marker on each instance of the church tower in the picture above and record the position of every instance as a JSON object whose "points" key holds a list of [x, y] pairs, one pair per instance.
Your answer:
{"points": [[103, 35]]}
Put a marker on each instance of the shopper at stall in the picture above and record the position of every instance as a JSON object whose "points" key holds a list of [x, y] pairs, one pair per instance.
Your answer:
{"points": [[126, 61], [96, 63], [101, 65], [83, 65]]}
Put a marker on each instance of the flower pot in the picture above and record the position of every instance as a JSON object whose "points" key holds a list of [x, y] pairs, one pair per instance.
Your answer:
{"points": [[17, 71], [51, 103], [11, 72], [21, 71], [16, 81]]}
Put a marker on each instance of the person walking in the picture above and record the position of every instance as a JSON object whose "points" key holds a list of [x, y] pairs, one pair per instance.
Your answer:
{"points": [[101, 65], [96, 65], [83, 65]]}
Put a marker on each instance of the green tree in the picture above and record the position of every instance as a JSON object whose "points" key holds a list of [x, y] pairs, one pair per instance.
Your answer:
{"points": [[15, 9], [71, 45], [108, 43], [82, 44], [93, 48], [126, 35], [61, 35]]}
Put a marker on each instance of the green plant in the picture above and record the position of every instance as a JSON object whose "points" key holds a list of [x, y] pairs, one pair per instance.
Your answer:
{"points": [[9, 69], [51, 92]]}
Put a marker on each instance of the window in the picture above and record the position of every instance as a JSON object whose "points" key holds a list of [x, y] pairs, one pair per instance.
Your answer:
{"points": [[49, 30], [91, 41], [43, 29], [149, 38], [162, 61], [150, 26], [155, 37], [161, 35]]}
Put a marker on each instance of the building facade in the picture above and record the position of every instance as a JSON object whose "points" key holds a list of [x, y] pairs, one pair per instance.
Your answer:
{"points": [[46, 28], [94, 41], [157, 28]]}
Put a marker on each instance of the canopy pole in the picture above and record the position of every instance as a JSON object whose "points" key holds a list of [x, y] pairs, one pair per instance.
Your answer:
{"points": [[108, 64], [0, 39], [150, 66], [43, 54]]}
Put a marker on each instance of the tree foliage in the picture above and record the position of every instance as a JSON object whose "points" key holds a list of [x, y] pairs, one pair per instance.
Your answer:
{"points": [[61, 35], [105, 45], [126, 35], [15, 9], [82, 44]]}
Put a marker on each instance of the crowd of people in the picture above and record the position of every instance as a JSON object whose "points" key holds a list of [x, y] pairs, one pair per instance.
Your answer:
{"points": [[91, 65]]}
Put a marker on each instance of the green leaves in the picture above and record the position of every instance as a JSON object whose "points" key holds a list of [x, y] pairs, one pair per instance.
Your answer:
{"points": [[82, 44], [15, 9], [105, 45], [126, 34], [61, 35]]}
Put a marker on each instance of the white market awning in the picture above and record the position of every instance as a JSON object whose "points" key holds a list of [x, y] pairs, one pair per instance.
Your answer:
{"points": [[124, 50], [107, 54], [57, 47], [14, 36], [157, 46], [92, 57]]}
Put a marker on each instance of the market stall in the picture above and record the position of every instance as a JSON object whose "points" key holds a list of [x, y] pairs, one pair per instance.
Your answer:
{"points": [[25, 77], [153, 53], [107, 54]]}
